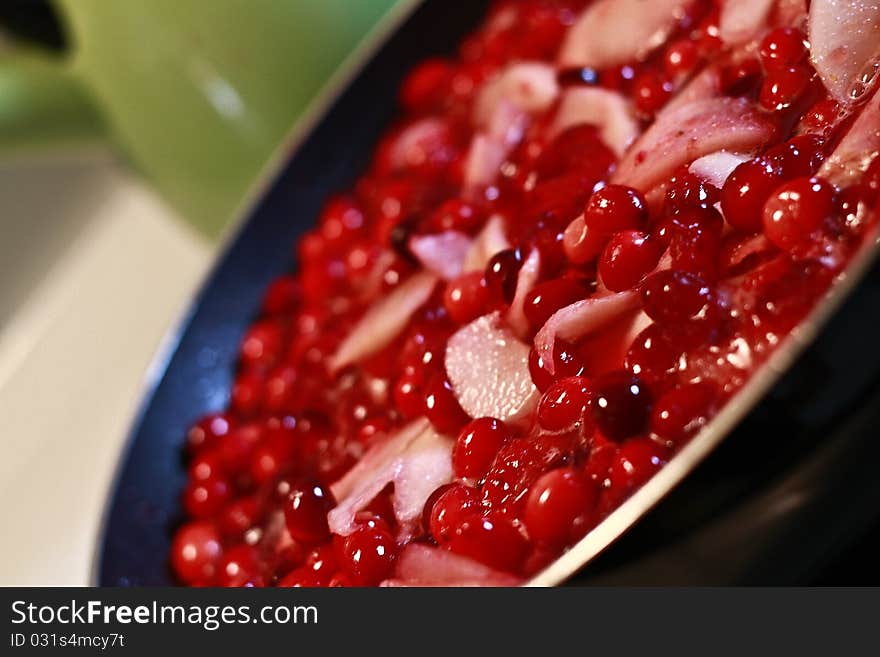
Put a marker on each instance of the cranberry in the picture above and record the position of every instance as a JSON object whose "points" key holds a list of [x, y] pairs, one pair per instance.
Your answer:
{"points": [[783, 47], [239, 516], [566, 362], [409, 397], [822, 116], [322, 563], [476, 446], [681, 58], [442, 408], [246, 396], [578, 76], [556, 505], [456, 214], [621, 403], [564, 403], [195, 552], [501, 274], [235, 449], [448, 507], [426, 86], [799, 156], [696, 242], [270, 458], [206, 464], [688, 192], [208, 431], [796, 210], [279, 387], [784, 86], [637, 461], [614, 208], [652, 356], [674, 297], [742, 78], [577, 147], [368, 555], [240, 567], [340, 222], [548, 297], [305, 510], [745, 192], [465, 297], [651, 91], [204, 499], [627, 258], [683, 411], [492, 540], [301, 577], [282, 296]]}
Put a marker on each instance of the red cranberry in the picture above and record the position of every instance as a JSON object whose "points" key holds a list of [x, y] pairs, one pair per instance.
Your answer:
{"points": [[301, 577], [426, 86], [621, 403], [651, 91], [240, 567], [448, 507], [239, 516], [205, 498], [456, 214], [637, 461], [556, 504], [409, 396], [577, 147], [784, 86], [566, 362], [742, 78], [465, 297], [548, 297], [745, 192], [476, 446], [683, 411], [305, 511], [799, 156], [207, 431], [564, 403], [442, 408], [783, 47], [681, 58], [796, 210], [368, 555], [492, 540], [688, 192], [282, 296], [322, 563], [246, 396], [652, 355], [206, 464], [501, 274], [279, 387], [195, 552], [614, 208], [340, 222], [270, 458], [627, 258], [822, 116], [236, 448], [675, 298]]}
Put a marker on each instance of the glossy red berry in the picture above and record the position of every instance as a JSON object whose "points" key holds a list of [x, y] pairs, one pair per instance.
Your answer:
{"points": [[745, 192], [208, 431], [675, 298], [566, 362], [681, 57], [614, 208], [621, 404], [196, 551], [205, 498], [476, 446], [627, 258], [548, 297], [492, 540], [651, 91], [681, 412], [784, 86], [427, 85], [564, 404], [556, 504], [368, 555], [448, 507], [306, 505], [457, 215], [241, 566], [501, 274], [466, 297], [442, 407], [652, 356], [796, 210], [783, 47], [636, 461]]}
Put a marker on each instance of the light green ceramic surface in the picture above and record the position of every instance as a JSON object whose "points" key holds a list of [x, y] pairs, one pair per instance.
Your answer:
{"points": [[196, 92]]}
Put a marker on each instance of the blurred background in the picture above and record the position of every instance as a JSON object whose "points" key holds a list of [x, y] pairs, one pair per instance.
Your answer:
{"points": [[130, 136]]}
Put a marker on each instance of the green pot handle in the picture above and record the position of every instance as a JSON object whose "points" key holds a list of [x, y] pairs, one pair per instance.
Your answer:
{"points": [[43, 104]]}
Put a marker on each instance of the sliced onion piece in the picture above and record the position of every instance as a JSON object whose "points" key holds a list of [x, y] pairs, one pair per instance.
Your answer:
{"points": [[716, 167], [608, 110], [488, 367], [443, 253], [857, 149], [743, 20], [384, 320], [421, 565], [704, 85], [416, 459], [581, 319], [528, 86], [689, 132], [490, 240], [845, 46], [525, 281], [613, 32]]}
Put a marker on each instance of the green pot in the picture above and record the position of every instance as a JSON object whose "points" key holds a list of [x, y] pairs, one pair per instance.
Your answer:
{"points": [[197, 94]]}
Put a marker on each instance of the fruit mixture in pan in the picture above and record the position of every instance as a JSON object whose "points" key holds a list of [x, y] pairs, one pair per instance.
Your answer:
{"points": [[583, 235]]}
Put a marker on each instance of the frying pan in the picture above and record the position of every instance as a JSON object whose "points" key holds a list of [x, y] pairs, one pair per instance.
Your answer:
{"points": [[777, 490]]}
